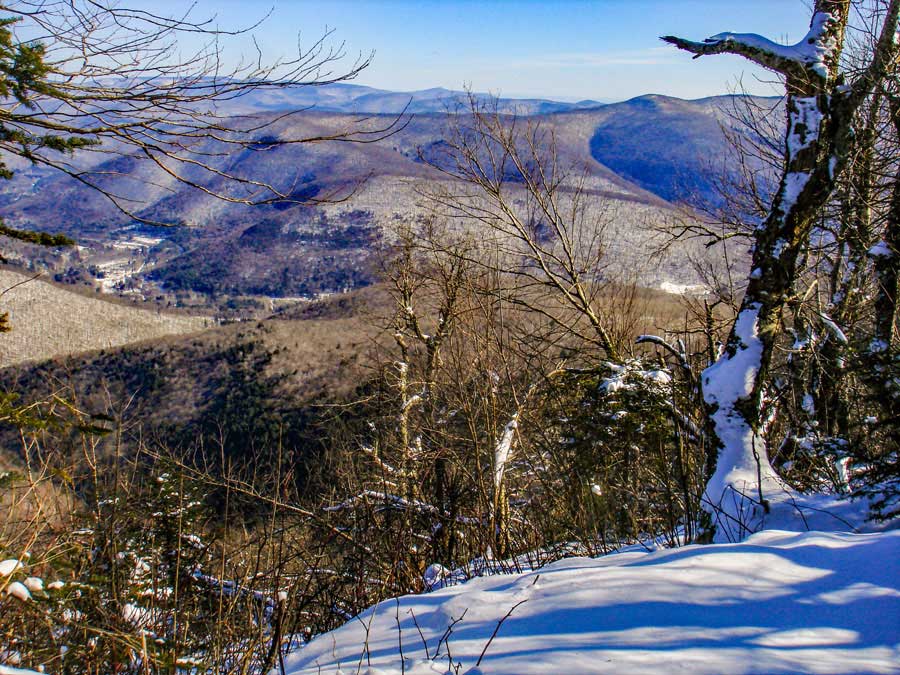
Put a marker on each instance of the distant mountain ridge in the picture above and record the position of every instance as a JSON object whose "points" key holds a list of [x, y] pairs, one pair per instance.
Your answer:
{"points": [[672, 147], [669, 146], [355, 98]]}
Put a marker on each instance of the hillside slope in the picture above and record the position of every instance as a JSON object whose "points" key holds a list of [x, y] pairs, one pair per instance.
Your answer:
{"points": [[674, 148], [253, 387], [48, 320]]}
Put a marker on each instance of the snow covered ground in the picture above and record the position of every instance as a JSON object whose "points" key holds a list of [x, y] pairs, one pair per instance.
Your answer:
{"points": [[779, 602]]}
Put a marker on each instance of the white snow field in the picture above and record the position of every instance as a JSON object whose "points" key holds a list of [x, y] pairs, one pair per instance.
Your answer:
{"points": [[779, 602]]}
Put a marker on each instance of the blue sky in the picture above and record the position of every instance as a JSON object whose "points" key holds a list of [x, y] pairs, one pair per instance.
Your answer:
{"points": [[563, 49]]}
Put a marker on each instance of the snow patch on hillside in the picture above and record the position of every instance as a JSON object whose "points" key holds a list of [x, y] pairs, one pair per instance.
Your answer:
{"points": [[683, 289]]}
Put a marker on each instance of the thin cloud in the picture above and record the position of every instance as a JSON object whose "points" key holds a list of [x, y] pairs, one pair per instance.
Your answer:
{"points": [[653, 56]]}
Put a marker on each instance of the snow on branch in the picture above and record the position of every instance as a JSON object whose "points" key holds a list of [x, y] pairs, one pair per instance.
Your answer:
{"points": [[677, 352], [387, 498], [809, 54], [370, 451], [413, 400], [834, 328]]}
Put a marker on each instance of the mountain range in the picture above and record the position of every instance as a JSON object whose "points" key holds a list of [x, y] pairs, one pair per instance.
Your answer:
{"points": [[354, 98], [644, 155]]}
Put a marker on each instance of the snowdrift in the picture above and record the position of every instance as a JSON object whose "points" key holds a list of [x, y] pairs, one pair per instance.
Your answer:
{"points": [[779, 602]]}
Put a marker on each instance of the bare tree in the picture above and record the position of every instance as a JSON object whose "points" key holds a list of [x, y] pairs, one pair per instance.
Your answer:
{"points": [[556, 311], [547, 222], [98, 76]]}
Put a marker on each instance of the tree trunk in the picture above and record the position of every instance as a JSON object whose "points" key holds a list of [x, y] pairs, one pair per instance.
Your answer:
{"points": [[883, 353], [848, 284], [743, 486]]}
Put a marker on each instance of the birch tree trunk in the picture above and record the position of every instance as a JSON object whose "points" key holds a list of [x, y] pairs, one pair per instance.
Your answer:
{"points": [[743, 487]]}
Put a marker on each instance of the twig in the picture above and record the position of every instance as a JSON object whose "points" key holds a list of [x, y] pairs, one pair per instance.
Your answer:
{"points": [[20, 283], [448, 632], [400, 639], [416, 623], [366, 652], [497, 629]]}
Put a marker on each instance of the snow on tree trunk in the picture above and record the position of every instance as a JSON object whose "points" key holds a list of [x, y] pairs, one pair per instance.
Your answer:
{"points": [[737, 494], [503, 450], [744, 493], [500, 503], [744, 486]]}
